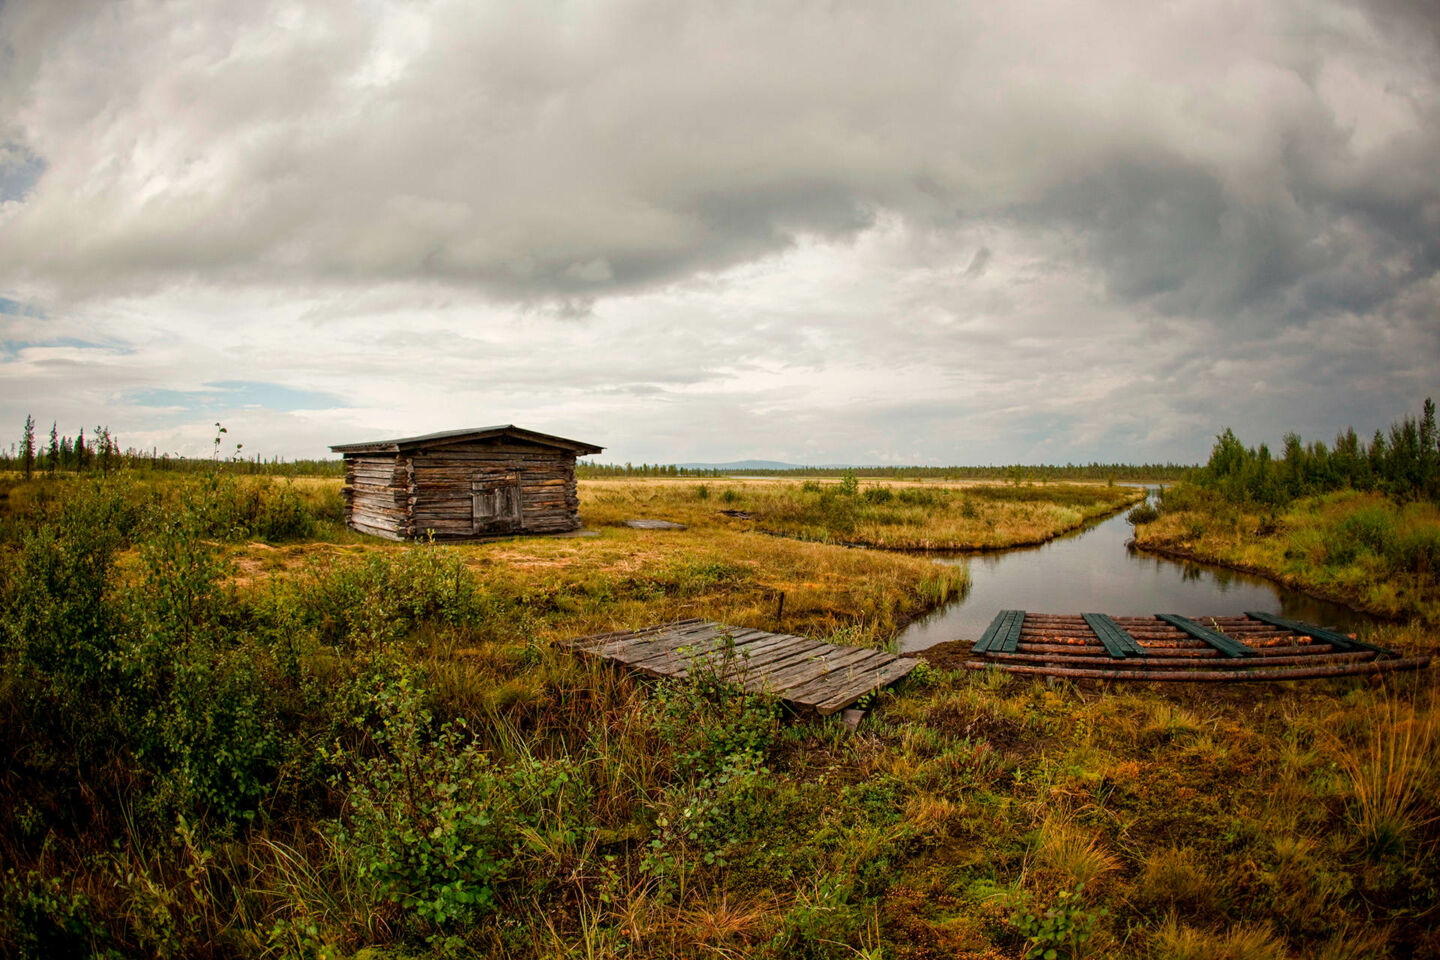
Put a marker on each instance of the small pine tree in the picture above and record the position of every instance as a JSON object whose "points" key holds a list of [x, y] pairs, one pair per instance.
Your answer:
{"points": [[54, 454], [27, 447], [81, 454]]}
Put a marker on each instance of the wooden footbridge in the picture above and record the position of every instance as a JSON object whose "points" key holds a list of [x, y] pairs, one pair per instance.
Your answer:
{"points": [[809, 676], [1256, 646]]}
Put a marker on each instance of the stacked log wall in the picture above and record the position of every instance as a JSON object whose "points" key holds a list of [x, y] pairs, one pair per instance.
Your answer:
{"points": [[375, 495], [441, 488]]}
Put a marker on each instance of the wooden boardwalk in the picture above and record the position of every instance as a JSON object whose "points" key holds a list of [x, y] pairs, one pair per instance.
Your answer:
{"points": [[807, 675], [1256, 646]]}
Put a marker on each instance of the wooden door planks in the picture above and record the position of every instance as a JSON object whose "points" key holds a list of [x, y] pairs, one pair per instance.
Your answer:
{"points": [[808, 675]]}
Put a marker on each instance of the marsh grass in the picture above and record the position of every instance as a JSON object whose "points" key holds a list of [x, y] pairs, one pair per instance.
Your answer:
{"points": [[356, 749], [899, 516], [1363, 548], [1393, 771], [1072, 850], [1175, 940]]}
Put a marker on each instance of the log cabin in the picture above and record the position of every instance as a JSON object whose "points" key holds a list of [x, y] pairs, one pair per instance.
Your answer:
{"points": [[463, 484]]}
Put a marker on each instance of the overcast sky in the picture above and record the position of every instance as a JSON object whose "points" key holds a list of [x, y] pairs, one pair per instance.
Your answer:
{"points": [[808, 231]]}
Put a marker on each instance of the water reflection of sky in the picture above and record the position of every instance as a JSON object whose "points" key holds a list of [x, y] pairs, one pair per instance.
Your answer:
{"points": [[1094, 571]]}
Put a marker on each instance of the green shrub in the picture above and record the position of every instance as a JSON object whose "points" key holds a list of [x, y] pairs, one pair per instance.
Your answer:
{"points": [[879, 494], [1417, 551], [1061, 930], [922, 497], [428, 822], [382, 597], [39, 918], [1142, 514]]}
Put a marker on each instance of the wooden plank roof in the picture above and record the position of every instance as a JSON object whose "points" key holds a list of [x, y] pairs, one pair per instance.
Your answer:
{"points": [[445, 437]]}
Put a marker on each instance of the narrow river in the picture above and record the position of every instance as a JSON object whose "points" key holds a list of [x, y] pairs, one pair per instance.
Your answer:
{"points": [[1093, 571]]}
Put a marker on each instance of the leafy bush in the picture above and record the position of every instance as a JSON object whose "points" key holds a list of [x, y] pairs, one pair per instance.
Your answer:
{"points": [[1142, 514], [879, 494], [383, 596], [1061, 930], [429, 822]]}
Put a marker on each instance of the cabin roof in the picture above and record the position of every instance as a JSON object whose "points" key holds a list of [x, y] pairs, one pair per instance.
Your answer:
{"points": [[460, 436]]}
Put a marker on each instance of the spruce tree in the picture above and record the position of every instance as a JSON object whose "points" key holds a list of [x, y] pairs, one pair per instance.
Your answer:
{"points": [[54, 454], [27, 446]]}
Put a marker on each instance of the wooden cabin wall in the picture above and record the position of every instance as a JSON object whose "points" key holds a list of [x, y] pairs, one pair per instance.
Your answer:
{"points": [[441, 487], [376, 501]]}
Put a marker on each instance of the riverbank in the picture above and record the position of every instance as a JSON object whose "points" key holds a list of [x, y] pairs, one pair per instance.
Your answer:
{"points": [[910, 517], [1360, 549]]}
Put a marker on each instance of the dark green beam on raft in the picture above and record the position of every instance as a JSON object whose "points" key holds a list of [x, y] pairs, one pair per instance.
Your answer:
{"points": [[1117, 640], [1003, 633], [1337, 640], [1226, 645]]}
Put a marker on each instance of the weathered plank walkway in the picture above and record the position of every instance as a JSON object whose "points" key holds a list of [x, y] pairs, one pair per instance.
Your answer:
{"points": [[808, 675], [1256, 646]]}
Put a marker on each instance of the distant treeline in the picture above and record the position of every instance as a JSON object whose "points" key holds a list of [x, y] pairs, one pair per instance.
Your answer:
{"points": [[1143, 473], [101, 453], [1405, 464]]}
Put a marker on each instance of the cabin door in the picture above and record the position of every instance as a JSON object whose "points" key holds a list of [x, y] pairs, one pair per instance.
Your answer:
{"points": [[495, 503]]}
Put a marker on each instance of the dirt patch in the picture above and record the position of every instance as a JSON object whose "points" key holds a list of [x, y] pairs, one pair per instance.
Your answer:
{"points": [[950, 655]]}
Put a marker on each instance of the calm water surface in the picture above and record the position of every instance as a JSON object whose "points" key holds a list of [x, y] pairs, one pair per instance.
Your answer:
{"points": [[1093, 571]]}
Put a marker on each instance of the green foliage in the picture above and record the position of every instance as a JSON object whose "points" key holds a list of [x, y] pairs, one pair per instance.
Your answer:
{"points": [[41, 918], [1405, 465], [381, 597], [878, 494], [849, 486], [821, 923], [1060, 931], [1142, 514], [429, 821]]}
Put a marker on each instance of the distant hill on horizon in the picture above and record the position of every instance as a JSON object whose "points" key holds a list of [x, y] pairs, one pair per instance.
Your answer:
{"points": [[763, 465]]}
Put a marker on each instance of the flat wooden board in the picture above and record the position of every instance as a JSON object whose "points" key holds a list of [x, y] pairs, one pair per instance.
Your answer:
{"points": [[806, 674]]}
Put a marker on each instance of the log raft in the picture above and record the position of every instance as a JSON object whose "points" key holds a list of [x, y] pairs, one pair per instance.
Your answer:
{"points": [[472, 484], [1169, 647], [808, 676]]}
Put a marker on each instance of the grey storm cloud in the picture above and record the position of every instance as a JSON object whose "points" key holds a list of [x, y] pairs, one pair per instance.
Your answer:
{"points": [[1210, 156], [1197, 178]]}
